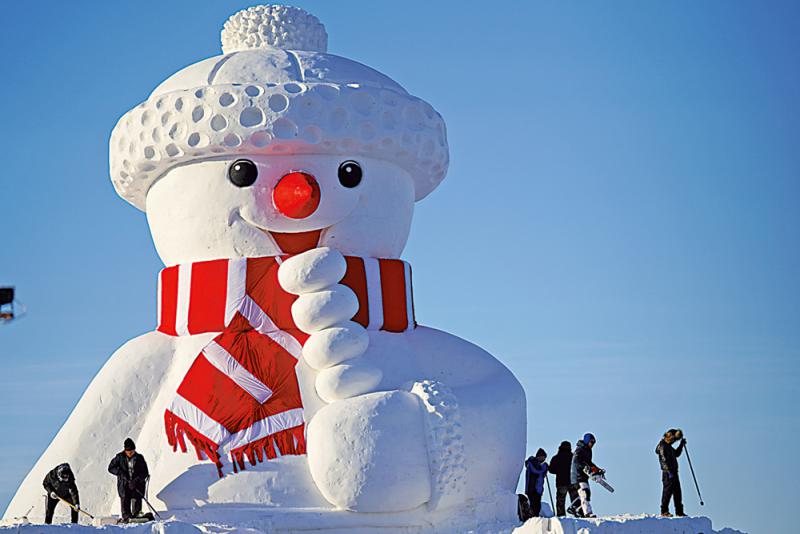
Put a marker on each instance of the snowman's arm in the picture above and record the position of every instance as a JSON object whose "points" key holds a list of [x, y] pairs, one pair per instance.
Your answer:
{"points": [[491, 407]]}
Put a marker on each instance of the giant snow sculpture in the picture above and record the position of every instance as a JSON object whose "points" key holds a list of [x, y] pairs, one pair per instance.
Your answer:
{"points": [[279, 183]]}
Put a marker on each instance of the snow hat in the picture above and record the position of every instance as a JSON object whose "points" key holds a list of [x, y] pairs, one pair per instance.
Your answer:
{"points": [[588, 437], [129, 445], [275, 90], [565, 446], [541, 452]]}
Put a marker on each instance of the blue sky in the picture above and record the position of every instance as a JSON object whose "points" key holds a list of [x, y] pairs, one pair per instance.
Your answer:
{"points": [[619, 224]]}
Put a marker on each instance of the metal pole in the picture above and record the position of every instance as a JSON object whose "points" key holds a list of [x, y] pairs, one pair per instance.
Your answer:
{"points": [[552, 504], [693, 475], [148, 503]]}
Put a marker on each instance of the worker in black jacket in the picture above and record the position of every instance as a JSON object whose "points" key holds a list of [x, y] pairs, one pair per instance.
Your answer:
{"points": [[132, 474], [671, 483], [60, 484], [582, 467], [561, 466]]}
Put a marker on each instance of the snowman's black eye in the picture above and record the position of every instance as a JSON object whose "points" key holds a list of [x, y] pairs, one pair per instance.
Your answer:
{"points": [[350, 174], [243, 173]]}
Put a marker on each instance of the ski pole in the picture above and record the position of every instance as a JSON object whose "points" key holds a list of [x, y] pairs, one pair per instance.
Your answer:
{"points": [[693, 475], [552, 504], [148, 503]]}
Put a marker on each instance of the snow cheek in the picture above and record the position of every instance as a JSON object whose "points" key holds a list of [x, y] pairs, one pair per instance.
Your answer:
{"points": [[193, 215]]}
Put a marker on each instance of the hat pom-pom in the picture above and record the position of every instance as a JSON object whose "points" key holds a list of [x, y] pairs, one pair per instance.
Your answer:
{"points": [[286, 27]]}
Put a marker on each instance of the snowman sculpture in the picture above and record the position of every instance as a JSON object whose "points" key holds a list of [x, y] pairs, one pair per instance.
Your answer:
{"points": [[279, 183]]}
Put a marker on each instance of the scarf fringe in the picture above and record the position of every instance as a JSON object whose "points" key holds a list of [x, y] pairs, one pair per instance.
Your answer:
{"points": [[289, 441], [179, 430]]}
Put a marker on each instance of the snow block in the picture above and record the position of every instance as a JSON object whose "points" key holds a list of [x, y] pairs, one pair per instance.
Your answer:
{"points": [[625, 524]]}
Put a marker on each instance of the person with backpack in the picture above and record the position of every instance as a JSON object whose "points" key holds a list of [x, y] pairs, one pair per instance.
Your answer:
{"points": [[582, 469], [131, 471], [561, 466], [670, 481], [535, 471], [60, 485]]}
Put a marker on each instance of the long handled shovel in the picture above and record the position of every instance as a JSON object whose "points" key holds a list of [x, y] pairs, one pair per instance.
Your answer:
{"points": [[693, 476], [76, 508]]}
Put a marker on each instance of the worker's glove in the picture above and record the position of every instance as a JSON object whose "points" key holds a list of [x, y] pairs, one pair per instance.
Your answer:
{"points": [[53, 495], [594, 470], [683, 441]]}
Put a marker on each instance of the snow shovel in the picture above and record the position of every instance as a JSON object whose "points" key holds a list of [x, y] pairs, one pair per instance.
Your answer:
{"points": [[76, 508]]}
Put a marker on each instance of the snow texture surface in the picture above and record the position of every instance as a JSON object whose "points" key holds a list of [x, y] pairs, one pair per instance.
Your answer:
{"points": [[251, 521], [626, 524]]}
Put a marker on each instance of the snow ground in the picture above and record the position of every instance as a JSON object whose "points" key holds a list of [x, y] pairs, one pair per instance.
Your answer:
{"points": [[254, 520], [623, 524]]}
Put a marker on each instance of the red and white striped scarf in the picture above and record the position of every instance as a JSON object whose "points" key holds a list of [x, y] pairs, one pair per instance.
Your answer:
{"points": [[241, 394]]}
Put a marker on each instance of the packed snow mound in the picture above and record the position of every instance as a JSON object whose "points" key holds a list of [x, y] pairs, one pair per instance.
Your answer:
{"points": [[214, 520], [624, 524]]}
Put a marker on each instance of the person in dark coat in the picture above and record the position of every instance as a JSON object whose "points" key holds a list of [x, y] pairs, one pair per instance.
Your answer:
{"points": [[535, 471], [131, 471], [60, 482], [582, 467], [670, 481], [561, 467]]}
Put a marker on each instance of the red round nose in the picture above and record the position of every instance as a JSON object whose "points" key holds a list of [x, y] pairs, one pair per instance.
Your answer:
{"points": [[296, 195]]}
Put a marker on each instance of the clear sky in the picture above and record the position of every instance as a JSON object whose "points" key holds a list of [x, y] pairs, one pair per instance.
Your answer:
{"points": [[620, 222]]}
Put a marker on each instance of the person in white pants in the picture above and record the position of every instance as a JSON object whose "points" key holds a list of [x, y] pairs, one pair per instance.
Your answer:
{"points": [[582, 468]]}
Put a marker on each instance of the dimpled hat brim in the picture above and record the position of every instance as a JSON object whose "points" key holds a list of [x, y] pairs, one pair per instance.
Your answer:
{"points": [[291, 118]]}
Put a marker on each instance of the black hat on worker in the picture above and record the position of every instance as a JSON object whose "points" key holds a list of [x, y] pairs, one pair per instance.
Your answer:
{"points": [[129, 445]]}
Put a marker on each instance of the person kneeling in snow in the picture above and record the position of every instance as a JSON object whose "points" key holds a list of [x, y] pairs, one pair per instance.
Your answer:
{"points": [[132, 473], [582, 468], [670, 481], [60, 484], [535, 471], [560, 466]]}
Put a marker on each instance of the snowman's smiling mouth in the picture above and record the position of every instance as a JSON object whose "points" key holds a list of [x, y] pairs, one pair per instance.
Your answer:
{"points": [[295, 243], [287, 242]]}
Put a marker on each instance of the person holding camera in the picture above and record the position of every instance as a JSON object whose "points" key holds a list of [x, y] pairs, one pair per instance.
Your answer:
{"points": [[670, 481]]}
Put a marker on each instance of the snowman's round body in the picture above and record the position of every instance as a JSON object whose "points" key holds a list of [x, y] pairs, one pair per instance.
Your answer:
{"points": [[272, 152]]}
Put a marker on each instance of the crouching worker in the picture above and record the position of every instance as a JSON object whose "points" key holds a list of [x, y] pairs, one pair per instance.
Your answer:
{"points": [[131, 471], [535, 471], [582, 468], [60, 484]]}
